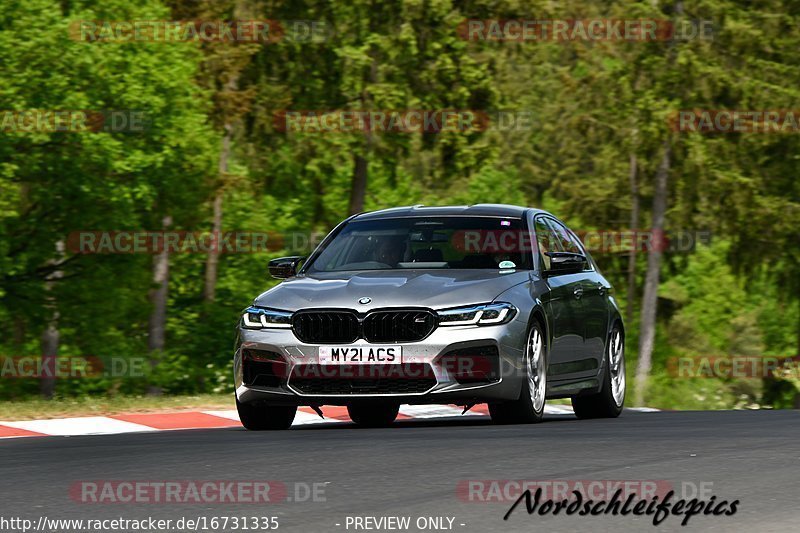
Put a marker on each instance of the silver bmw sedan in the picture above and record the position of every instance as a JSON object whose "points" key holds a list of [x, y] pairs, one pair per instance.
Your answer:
{"points": [[460, 305]]}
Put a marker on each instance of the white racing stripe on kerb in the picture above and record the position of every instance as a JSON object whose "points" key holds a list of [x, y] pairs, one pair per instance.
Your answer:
{"points": [[301, 418], [558, 410], [90, 425], [230, 414], [433, 411], [437, 411]]}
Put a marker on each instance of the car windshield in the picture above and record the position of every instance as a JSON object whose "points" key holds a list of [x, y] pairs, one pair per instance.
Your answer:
{"points": [[427, 243]]}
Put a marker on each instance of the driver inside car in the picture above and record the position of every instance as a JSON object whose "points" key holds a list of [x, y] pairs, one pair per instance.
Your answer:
{"points": [[390, 250]]}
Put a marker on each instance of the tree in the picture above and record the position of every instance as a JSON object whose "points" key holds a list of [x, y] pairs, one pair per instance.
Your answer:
{"points": [[57, 183]]}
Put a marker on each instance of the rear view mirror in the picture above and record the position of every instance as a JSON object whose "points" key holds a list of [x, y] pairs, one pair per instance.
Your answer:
{"points": [[565, 263], [439, 236], [284, 267]]}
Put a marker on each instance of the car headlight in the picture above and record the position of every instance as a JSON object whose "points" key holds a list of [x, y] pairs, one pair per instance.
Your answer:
{"points": [[477, 315], [259, 317]]}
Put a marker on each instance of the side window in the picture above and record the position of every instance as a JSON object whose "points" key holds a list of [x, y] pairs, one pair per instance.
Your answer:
{"points": [[546, 240], [570, 242], [565, 238]]}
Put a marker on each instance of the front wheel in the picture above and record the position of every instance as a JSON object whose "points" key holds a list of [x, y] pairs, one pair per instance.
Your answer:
{"points": [[608, 402], [373, 414], [256, 417], [529, 407]]}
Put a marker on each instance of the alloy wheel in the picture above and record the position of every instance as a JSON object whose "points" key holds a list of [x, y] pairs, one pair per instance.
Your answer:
{"points": [[616, 361], [537, 381]]}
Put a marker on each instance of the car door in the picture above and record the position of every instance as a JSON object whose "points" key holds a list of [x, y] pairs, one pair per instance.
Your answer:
{"points": [[596, 308], [585, 362], [564, 308]]}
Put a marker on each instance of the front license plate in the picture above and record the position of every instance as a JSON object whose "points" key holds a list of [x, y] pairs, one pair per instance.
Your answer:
{"points": [[360, 355]]}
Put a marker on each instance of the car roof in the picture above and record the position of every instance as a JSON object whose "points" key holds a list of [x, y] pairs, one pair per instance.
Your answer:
{"points": [[476, 210]]}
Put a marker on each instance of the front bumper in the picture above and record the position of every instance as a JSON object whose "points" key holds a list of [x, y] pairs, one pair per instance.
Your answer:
{"points": [[444, 382]]}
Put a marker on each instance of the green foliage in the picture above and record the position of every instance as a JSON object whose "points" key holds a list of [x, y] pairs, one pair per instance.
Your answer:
{"points": [[715, 314], [666, 392]]}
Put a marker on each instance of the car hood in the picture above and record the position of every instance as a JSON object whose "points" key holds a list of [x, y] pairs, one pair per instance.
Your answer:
{"points": [[390, 288]]}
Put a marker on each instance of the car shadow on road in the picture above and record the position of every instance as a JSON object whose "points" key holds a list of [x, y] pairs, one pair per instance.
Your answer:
{"points": [[444, 422]]}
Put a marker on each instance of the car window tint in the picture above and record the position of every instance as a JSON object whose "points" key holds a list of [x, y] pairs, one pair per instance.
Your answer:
{"points": [[546, 240], [428, 242], [567, 241]]}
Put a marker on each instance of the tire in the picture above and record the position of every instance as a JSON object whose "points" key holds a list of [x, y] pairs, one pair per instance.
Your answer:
{"points": [[529, 407], [259, 417], [373, 414], [609, 401]]}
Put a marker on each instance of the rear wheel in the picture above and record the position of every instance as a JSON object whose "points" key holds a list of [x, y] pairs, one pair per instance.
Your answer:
{"points": [[259, 417], [608, 402], [373, 414], [529, 407]]}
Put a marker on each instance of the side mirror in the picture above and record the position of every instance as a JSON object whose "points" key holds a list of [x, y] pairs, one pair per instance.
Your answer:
{"points": [[284, 267], [565, 263]]}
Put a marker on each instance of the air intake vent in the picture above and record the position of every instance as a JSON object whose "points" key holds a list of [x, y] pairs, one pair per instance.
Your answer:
{"points": [[315, 327], [398, 326]]}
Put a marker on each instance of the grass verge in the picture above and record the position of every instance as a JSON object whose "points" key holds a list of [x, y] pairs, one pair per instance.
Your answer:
{"points": [[38, 408]]}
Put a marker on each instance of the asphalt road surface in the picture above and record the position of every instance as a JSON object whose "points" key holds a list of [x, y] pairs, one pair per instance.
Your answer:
{"points": [[415, 469]]}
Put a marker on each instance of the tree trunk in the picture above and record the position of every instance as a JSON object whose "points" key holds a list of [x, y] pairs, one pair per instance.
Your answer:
{"points": [[358, 189], [50, 339], [633, 252], [158, 300], [358, 186], [212, 260], [18, 334], [50, 342], [647, 321]]}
